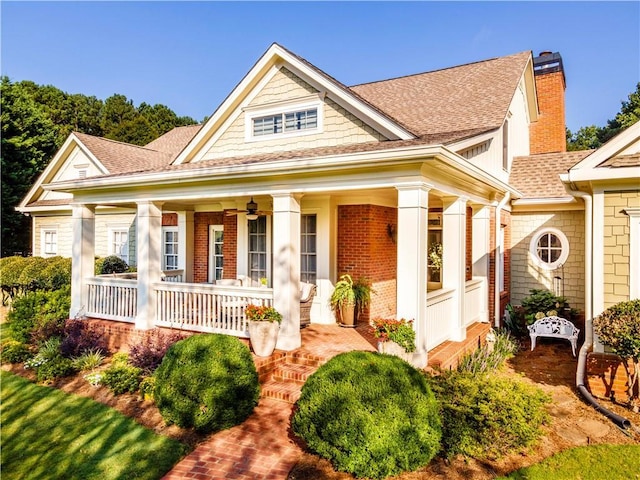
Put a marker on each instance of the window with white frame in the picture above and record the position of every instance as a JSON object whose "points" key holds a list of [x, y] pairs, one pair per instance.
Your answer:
{"points": [[119, 243], [284, 120], [49, 242], [549, 248], [216, 257], [258, 249], [308, 254], [169, 248]]}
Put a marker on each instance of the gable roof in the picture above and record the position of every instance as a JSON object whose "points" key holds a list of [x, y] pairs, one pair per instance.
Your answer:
{"points": [[119, 157], [452, 103], [538, 176], [174, 140]]}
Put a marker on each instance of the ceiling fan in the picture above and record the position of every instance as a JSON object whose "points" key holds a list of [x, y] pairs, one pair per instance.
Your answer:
{"points": [[252, 211]]}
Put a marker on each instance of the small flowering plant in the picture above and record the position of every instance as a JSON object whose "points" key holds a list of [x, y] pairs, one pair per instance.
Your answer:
{"points": [[399, 331], [262, 313]]}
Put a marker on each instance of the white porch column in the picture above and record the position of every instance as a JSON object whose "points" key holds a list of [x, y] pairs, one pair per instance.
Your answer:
{"points": [[286, 268], [481, 248], [149, 253], [83, 256], [185, 244], [453, 259], [411, 290]]}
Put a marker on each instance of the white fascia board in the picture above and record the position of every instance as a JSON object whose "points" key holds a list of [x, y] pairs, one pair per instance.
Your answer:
{"points": [[609, 149], [319, 164], [276, 55], [44, 209], [472, 141], [54, 165], [602, 174], [530, 90], [546, 204]]}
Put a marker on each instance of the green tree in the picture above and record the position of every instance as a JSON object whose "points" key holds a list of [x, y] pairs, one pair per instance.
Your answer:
{"points": [[28, 142]]}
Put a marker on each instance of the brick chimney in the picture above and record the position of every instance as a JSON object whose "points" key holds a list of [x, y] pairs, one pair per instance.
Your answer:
{"points": [[547, 135]]}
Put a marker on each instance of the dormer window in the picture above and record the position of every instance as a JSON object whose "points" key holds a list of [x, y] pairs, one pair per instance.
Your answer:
{"points": [[283, 120]]}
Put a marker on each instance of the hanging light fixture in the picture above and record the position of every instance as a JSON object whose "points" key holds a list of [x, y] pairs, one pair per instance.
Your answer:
{"points": [[252, 208]]}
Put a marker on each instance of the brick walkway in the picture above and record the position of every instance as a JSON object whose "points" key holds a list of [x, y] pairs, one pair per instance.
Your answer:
{"points": [[263, 447]]}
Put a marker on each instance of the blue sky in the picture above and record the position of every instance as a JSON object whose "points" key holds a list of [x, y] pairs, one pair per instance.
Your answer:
{"points": [[190, 55]]}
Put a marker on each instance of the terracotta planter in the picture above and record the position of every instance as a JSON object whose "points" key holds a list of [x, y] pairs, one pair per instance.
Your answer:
{"points": [[347, 315], [392, 348], [263, 336]]}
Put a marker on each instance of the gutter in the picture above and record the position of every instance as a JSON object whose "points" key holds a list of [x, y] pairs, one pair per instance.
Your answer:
{"points": [[496, 299], [588, 313]]}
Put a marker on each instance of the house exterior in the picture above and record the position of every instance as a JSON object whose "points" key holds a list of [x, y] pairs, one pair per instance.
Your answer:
{"points": [[297, 177]]}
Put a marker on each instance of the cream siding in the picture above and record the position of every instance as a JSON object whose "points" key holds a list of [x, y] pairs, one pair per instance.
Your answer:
{"points": [[526, 274], [616, 245], [339, 126], [62, 224], [76, 161]]}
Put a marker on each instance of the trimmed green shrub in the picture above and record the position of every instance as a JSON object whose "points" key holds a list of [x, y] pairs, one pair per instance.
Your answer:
{"points": [[57, 273], [488, 416], [618, 327], [121, 378], [371, 415], [36, 316], [31, 277], [15, 352], [49, 362], [113, 264], [208, 382], [10, 272]]}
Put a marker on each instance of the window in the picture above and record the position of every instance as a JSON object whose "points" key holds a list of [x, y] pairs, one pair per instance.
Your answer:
{"points": [[292, 121], [258, 249], [49, 242], [169, 248], [549, 248], [119, 243], [308, 234], [216, 259]]}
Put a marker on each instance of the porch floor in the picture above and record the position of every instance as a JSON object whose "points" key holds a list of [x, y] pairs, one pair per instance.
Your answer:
{"points": [[263, 447]]}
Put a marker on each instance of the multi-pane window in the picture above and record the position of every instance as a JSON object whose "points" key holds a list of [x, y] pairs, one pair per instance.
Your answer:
{"points": [[258, 248], [549, 248], [308, 254], [119, 243], [218, 260], [170, 248], [285, 122], [49, 242]]}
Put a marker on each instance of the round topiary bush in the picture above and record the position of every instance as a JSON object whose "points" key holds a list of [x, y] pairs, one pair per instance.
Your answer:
{"points": [[208, 382], [113, 264], [371, 415]]}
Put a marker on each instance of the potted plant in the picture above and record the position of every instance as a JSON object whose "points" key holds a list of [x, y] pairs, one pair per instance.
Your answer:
{"points": [[264, 323], [343, 300], [395, 337], [362, 292]]}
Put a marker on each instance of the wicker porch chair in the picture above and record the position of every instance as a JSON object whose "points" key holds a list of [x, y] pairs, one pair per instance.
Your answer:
{"points": [[307, 292]]}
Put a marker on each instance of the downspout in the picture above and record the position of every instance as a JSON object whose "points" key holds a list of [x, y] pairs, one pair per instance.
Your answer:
{"points": [[497, 314], [588, 313]]}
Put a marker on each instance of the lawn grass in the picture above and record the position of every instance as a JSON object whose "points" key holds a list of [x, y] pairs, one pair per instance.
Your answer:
{"points": [[47, 433], [596, 462]]}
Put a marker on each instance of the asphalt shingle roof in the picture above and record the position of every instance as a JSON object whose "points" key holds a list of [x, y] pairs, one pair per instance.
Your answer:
{"points": [[538, 176], [469, 98], [632, 160]]}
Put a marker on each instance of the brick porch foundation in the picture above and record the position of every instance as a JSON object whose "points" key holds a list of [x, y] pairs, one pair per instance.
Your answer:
{"points": [[607, 376]]}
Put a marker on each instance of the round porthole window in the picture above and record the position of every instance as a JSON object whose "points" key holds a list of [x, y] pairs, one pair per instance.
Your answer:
{"points": [[549, 248]]}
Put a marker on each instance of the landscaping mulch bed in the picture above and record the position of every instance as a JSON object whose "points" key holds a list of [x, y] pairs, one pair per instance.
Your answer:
{"points": [[574, 423]]}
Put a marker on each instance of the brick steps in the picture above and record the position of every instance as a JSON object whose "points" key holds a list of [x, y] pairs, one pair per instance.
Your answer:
{"points": [[447, 355], [286, 378]]}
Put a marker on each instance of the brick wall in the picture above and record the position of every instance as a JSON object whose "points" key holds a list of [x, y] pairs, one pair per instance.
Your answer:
{"points": [[366, 250], [230, 246], [169, 219], [548, 134], [616, 245], [201, 221], [606, 376], [122, 336]]}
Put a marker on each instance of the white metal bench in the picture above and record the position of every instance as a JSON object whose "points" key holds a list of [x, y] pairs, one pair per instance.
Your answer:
{"points": [[554, 327]]}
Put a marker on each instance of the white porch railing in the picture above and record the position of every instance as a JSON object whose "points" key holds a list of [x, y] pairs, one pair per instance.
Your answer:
{"points": [[439, 316], [173, 275], [207, 308], [475, 297], [112, 298]]}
